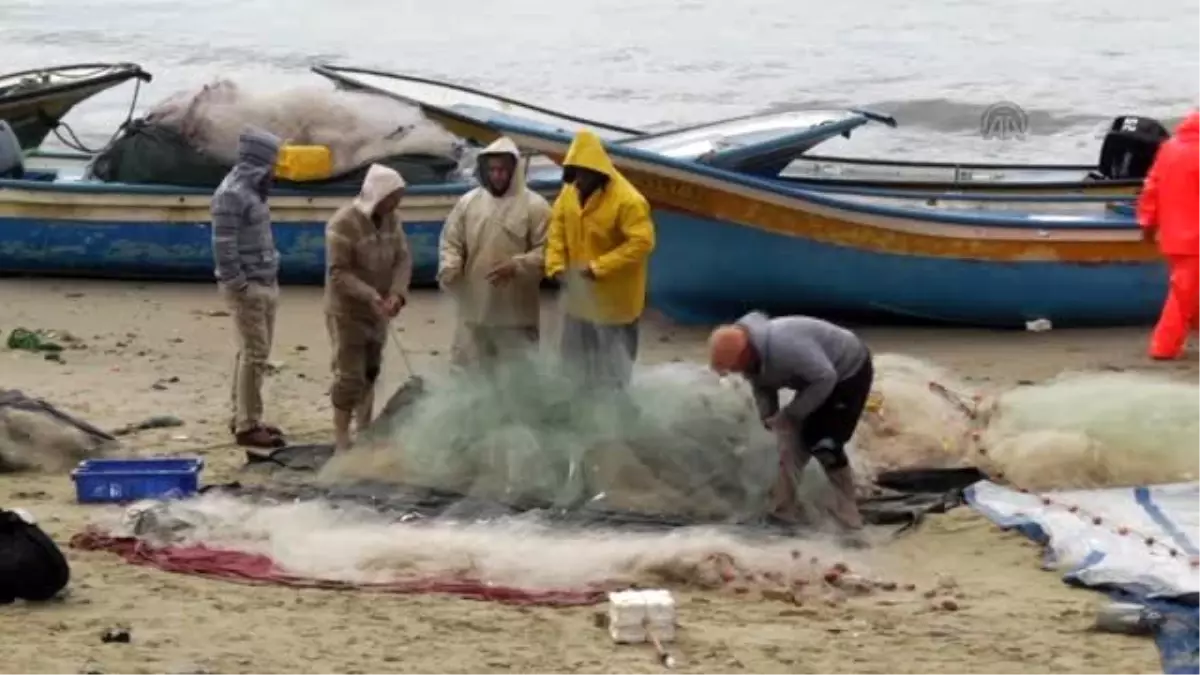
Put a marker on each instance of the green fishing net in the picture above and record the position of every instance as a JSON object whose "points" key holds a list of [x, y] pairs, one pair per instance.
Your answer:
{"points": [[678, 441]]}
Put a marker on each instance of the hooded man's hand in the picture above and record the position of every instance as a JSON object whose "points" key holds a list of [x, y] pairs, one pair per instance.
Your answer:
{"points": [[502, 273], [380, 305], [392, 305], [448, 276]]}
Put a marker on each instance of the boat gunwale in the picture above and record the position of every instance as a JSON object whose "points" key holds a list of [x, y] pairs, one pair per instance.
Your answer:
{"points": [[866, 188], [949, 165], [854, 119], [849, 117], [834, 185], [539, 184], [334, 72], [1124, 227], [156, 190], [123, 72], [636, 135]]}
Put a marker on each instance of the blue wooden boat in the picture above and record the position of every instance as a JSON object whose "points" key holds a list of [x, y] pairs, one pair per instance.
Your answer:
{"points": [[728, 243], [54, 221]]}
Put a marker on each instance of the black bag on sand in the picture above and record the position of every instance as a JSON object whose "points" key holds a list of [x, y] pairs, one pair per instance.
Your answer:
{"points": [[31, 565]]}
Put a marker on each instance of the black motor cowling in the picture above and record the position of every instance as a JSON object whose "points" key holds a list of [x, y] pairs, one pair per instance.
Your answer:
{"points": [[1129, 147]]}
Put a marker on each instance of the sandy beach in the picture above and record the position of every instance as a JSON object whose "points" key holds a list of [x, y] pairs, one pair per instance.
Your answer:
{"points": [[165, 349]]}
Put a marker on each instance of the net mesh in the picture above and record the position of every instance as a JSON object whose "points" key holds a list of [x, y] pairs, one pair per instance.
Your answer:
{"points": [[680, 442], [357, 127]]}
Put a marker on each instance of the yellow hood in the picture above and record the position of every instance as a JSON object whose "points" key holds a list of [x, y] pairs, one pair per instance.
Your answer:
{"points": [[587, 152], [612, 235]]}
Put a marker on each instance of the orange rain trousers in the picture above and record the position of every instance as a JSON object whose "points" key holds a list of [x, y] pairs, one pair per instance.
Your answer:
{"points": [[1181, 310]]}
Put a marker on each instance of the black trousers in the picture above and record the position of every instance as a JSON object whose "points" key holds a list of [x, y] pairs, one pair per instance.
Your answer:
{"points": [[835, 419]]}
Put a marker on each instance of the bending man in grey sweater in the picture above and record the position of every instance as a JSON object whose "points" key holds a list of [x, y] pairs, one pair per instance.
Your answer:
{"points": [[247, 267], [829, 369]]}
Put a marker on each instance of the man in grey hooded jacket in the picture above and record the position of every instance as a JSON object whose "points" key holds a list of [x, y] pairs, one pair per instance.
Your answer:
{"points": [[829, 369], [247, 269]]}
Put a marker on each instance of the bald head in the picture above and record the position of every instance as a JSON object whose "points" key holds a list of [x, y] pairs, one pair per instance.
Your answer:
{"points": [[729, 349]]}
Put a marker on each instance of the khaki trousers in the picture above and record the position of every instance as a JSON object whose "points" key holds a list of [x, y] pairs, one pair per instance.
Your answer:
{"points": [[253, 311]]}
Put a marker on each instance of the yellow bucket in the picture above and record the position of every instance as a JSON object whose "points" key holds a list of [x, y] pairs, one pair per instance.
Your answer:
{"points": [[301, 163]]}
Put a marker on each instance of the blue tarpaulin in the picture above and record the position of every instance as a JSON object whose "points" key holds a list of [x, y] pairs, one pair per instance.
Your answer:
{"points": [[1139, 544]]}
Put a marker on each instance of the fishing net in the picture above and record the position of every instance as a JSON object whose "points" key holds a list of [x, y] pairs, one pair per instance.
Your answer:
{"points": [[36, 436], [357, 128], [919, 415], [315, 543], [1090, 430], [191, 138], [680, 442], [1076, 431], [536, 491]]}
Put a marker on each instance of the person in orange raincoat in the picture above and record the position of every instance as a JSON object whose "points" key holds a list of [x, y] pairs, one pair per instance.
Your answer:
{"points": [[1168, 211]]}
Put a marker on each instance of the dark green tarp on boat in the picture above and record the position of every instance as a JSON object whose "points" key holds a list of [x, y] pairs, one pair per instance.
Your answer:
{"points": [[158, 155]]}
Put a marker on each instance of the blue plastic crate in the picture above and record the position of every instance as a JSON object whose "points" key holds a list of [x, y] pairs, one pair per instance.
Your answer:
{"points": [[125, 480]]}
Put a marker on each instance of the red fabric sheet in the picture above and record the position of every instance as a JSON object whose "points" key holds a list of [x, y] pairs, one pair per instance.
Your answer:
{"points": [[252, 568]]}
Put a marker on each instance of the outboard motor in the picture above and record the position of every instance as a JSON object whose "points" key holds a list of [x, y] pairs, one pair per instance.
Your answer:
{"points": [[1129, 147], [12, 162]]}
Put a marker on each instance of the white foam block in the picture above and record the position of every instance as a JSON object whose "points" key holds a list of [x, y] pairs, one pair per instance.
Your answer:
{"points": [[631, 613]]}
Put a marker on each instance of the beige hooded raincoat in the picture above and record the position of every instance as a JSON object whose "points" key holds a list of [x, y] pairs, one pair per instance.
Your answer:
{"points": [[366, 260], [483, 231]]}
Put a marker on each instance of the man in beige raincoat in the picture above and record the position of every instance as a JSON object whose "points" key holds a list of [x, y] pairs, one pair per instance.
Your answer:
{"points": [[368, 268], [490, 258]]}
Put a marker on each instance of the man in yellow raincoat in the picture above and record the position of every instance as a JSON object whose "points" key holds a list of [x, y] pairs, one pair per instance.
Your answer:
{"points": [[368, 268], [598, 245]]}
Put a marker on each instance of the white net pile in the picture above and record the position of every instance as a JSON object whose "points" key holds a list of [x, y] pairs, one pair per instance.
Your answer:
{"points": [[315, 540], [357, 127], [1076, 431], [1089, 430]]}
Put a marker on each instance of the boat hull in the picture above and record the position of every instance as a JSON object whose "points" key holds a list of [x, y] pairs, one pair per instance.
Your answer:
{"points": [[706, 271], [154, 234]]}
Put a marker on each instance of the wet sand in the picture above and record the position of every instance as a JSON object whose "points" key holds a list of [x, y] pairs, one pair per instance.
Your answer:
{"points": [[154, 349]]}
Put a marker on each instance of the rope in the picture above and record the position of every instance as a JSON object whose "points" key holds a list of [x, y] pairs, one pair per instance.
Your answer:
{"points": [[972, 411], [403, 353], [1151, 542], [195, 450], [77, 145]]}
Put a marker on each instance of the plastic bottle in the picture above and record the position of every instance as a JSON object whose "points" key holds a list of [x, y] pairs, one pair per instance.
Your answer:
{"points": [[1129, 618]]}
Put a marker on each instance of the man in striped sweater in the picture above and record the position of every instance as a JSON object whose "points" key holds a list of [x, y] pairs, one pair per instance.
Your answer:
{"points": [[247, 267]]}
